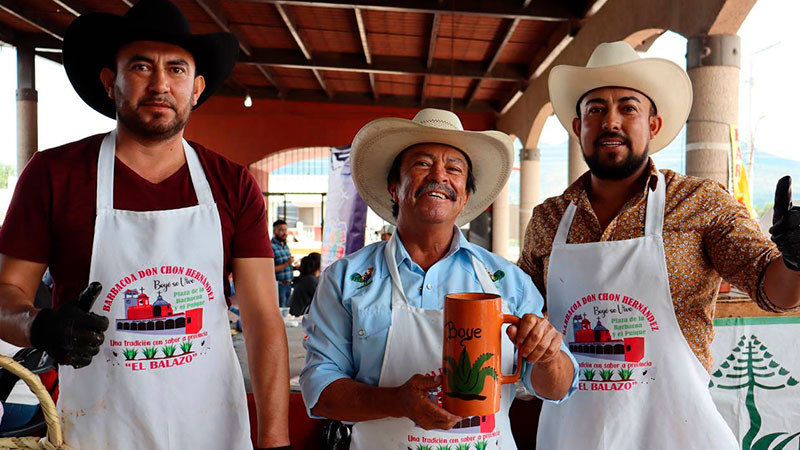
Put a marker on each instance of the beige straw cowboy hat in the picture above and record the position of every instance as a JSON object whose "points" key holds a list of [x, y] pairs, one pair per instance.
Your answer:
{"points": [[378, 143], [618, 64]]}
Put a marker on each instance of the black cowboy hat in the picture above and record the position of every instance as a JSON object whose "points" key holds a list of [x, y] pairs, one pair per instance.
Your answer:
{"points": [[92, 41]]}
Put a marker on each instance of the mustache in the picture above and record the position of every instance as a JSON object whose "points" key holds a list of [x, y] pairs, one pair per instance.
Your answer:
{"points": [[611, 134], [433, 186], [158, 99]]}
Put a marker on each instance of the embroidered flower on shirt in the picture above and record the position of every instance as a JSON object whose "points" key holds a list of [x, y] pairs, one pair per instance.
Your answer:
{"points": [[365, 279], [498, 275]]}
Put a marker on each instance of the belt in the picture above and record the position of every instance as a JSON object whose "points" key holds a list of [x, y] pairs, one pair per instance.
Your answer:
{"points": [[285, 281]]}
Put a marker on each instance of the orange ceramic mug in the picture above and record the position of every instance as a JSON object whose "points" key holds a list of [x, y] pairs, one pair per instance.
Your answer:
{"points": [[472, 353]]}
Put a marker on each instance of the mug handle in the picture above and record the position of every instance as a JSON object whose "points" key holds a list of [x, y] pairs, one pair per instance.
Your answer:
{"points": [[506, 379]]}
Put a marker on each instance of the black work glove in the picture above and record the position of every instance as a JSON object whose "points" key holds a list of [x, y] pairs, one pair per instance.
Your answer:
{"points": [[785, 229], [70, 333]]}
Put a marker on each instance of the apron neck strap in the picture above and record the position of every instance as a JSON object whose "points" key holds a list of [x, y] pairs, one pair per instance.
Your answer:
{"points": [[564, 225], [398, 294], [483, 277], [654, 217], [654, 220], [105, 173]]}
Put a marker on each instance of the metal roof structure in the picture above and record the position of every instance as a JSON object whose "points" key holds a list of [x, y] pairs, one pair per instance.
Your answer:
{"points": [[478, 55]]}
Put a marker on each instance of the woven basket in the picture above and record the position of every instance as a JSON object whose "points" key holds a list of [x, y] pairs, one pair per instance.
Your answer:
{"points": [[54, 439]]}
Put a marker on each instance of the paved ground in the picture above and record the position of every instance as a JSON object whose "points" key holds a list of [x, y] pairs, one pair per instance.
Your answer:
{"points": [[297, 354]]}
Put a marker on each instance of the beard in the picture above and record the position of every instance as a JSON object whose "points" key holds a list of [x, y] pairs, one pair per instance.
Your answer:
{"points": [[156, 130], [615, 171]]}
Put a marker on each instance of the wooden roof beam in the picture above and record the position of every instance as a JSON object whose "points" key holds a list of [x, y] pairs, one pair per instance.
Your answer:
{"points": [[396, 65], [215, 12], [373, 86], [541, 10], [70, 7], [362, 99], [362, 33], [13, 8], [289, 21], [431, 52], [290, 24], [512, 26]]}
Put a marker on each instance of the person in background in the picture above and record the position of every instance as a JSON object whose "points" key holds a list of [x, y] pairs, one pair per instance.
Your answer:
{"points": [[305, 285], [283, 261]]}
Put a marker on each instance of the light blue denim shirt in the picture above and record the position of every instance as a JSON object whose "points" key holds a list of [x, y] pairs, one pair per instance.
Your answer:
{"points": [[350, 315]]}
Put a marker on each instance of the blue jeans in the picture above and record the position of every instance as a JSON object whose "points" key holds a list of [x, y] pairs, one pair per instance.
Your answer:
{"points": [[284, 291], [16, 415]]}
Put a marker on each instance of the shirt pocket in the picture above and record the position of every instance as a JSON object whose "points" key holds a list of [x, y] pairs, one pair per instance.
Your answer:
{"points": [[370, 330]]}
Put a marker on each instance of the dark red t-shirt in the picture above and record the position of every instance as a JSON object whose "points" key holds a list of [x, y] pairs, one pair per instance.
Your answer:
{"points": [[51, 216]]}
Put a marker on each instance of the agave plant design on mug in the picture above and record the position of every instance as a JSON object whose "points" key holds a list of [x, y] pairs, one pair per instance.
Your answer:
{"points": [[466, 378]]}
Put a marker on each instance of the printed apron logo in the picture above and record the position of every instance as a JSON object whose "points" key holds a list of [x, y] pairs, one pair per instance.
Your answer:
{"points": [[606, 332], [749, 366], [158, 329]]}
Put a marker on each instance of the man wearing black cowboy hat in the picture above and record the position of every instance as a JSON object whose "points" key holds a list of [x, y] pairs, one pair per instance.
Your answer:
{"points": [[156, 224]]}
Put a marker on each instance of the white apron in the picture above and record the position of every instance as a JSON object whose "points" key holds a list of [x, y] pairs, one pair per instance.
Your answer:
{"points": [[166, 376], [641, 386], [414, 345]]}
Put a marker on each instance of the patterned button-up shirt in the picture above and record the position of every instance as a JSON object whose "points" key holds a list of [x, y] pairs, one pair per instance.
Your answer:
{"points": [[707, 234], [282, 254]]}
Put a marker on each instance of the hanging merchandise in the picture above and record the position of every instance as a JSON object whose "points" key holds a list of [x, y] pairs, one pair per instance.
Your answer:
{"points": [[345, 211], [739, 184]]}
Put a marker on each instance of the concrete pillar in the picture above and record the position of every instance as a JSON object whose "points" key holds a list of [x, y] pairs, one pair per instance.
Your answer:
{"points": [[713, 65], [500, 223], [27, 97], [530, 160], [577, 166]]}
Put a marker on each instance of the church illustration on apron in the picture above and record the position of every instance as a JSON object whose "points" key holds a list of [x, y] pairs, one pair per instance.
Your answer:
{"points": [[607, 335]]}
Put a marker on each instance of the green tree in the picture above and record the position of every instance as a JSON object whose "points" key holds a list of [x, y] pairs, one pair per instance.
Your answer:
{"points": [[6, 170], [750, 365]]}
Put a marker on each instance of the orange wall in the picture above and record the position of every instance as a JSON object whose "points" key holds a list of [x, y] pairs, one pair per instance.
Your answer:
{"points": [[246, 135]]}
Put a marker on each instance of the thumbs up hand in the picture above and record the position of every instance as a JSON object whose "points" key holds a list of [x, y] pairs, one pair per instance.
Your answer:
{"points": [[785, 229], [71, 334]]}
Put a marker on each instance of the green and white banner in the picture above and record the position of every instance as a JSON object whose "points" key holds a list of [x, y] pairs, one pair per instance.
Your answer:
{"points": [[754, 381]]}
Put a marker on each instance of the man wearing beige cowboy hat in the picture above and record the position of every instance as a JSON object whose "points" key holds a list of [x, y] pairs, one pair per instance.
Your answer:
{"points": [[630, 259], [375, 327], [156, 224]]}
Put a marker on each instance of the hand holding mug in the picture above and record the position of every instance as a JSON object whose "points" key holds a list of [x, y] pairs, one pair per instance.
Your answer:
{"points": [[535, 339], [417, 406]]}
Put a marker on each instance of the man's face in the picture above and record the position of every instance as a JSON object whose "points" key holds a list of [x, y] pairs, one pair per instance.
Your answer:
{"points": [[615, 129], [432, 184], [154, 88], [280, 232]]}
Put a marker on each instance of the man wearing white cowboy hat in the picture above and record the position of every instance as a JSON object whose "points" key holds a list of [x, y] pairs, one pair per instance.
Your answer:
{"points": [[375, 326], [156, 224], [630, 260]]}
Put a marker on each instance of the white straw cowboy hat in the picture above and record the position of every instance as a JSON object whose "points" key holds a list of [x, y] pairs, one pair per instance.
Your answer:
{"points": [[379, 142], [618, 64]]}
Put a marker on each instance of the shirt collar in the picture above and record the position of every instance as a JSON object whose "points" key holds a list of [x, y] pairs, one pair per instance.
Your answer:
{"points": [[458, 242], [577, 192]]}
